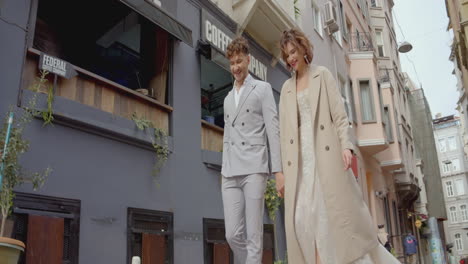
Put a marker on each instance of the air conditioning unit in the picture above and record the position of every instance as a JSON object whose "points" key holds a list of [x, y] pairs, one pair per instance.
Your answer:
{"points": [[331, 20]]}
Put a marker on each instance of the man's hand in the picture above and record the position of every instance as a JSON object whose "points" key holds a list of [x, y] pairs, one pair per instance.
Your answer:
{"points": [[280, 183], [347, 159]]}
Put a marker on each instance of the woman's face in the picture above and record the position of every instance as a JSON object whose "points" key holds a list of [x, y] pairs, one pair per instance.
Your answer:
{"points": [[295, 57]]}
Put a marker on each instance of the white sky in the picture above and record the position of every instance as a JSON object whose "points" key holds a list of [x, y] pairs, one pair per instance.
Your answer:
{"points": [[424, 24]]}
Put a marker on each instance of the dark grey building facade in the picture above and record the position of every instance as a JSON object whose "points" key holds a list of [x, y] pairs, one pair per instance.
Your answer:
{"points": [[102, 184]]}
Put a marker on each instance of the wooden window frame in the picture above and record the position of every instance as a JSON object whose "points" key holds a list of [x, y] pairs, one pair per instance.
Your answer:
{"points": [[165, 217], [69, 209]]}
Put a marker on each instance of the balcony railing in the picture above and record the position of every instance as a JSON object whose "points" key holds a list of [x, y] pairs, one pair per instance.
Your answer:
{"points": [[360, 42]]}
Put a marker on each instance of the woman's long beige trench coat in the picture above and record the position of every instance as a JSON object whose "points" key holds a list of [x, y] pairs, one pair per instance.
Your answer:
{"points": [[350, 224]]}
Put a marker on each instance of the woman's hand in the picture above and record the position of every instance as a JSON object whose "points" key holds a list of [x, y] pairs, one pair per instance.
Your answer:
{"points": [[347, 159], [280, 183]]}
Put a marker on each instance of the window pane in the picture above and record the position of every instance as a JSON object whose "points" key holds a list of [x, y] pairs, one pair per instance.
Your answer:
{"points": [[464, 213], [458, 242], [455, 165], [449, 189], [453, 214], [351, 101], [317, 20], [459, 186], [367, 107], [452, 143], [442, 146], [215, 85]]}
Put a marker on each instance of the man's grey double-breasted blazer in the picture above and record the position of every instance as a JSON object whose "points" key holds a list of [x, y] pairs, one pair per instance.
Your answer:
{"points": [[251, 133]]}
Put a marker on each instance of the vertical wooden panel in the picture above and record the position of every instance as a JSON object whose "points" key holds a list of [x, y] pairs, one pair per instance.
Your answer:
{"points": [[116, 109], [97, 95], [107, 100], [45, 240], [79, 90], [267, 256], [212, 139], [124, 106], [221, 254], [132, 107], [67, 88], [88, 92], [153, 249]]}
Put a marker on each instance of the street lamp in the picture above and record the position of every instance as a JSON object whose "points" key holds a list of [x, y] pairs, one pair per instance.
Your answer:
{"points": [[405, 47]]}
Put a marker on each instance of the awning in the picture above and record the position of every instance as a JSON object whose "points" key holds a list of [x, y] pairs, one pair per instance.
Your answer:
{"points": [[162, 19]]}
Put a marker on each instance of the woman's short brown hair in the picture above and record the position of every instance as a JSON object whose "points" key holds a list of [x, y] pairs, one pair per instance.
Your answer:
{"points": [[298, 39], [237, 45]]}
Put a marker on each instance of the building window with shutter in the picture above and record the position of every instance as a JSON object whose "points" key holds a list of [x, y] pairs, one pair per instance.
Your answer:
{"points": [[458, 242], [150, 236], [49, 226], [449, 188], [318, 25], [367, 102], [388, 124], [452, 143], [380, 43], [463, 213], [217, 250], [453, 214], [460, 187]]}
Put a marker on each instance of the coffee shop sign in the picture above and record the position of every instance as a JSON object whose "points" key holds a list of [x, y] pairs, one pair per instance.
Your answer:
{"points": [[221, 40]]}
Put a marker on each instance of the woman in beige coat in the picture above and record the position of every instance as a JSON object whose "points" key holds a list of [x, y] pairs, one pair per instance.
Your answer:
{"points": [[327, 220]]}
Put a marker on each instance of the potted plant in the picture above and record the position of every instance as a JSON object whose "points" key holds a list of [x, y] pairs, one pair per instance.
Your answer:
{"points": [[12, 174]]}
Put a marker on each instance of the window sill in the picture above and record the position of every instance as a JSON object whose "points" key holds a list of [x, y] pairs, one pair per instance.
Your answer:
{"points": [[212, 159], [369, 122], [383, 58], [89, 119]]}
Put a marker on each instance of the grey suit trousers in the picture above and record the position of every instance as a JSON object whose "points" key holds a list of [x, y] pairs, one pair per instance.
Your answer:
{"points": [[243, 199]]}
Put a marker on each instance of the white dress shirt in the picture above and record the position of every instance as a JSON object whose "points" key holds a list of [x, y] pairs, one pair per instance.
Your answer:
{"points": [[238, 93]]}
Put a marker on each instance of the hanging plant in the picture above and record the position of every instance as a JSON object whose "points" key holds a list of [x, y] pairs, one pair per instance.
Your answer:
{"points": [[160, 143], [48, 114]]}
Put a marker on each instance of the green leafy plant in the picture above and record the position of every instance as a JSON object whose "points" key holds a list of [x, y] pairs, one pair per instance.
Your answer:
{"points": [[13, 173], [160, 143], [273, 203], [297, 11], [48, 114], [272, 200]]}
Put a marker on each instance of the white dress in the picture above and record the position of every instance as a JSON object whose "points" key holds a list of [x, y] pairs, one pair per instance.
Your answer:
{"points": [[311, 221]]}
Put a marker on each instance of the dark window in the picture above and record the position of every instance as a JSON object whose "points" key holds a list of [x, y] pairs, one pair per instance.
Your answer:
{"points": [[216, 82], [388, 218], [150, 236], [109, 39], [43, 220], [217, 250]]}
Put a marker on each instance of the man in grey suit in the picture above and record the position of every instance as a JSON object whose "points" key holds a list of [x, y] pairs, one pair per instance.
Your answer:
{"points": [[250, 122]]}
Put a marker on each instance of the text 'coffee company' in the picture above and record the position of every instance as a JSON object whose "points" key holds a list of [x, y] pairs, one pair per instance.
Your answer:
{"points": [[218, 36]]}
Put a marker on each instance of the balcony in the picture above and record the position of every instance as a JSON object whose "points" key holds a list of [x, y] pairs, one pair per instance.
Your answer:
{"points": [[407, 187], [361, 42], [254, 16], [94, 91]]}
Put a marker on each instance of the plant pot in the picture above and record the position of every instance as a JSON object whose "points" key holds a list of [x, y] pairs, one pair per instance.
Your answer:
{"points": [[10, 250]]}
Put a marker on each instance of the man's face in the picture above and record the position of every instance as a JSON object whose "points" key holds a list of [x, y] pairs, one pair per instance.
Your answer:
{"points": [[239, 64]]}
